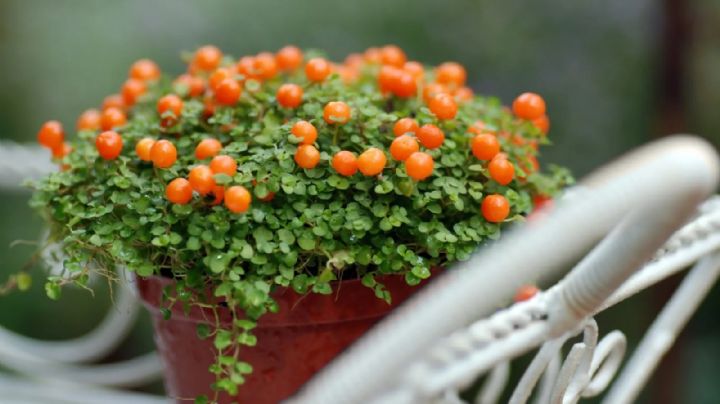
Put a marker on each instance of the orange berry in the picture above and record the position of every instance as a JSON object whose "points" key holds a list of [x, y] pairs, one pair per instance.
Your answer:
{"points": [[170, 103], [228, 92], [525, 292], [207, 148], [62, 150], [109, 145], [405, 85], [336, 112], [431, 90], [143, 147], [495, 208], [237, 199], [131, 90], [305, 131], [112, 118], [419, 165], [415, 69], [430, 136], [317, 69], [392, 55], [443, 106], [485, 146], [144, 69], [113, 101], [51, 134], [163, 154], [246, 67], [219, 192], [264, 66], [371, 162], [528, 106], [542, 123], [403, 146], [463, 94], [179, 191], [501, 170], [195, 85], [289, 95], [451, 74], [307, 156], [207, 58], [478, 128], [345, 163], [89, 120], [289, 58], [223, 164], [405, 125], [387, 78], [218, 75], [201, 179]]}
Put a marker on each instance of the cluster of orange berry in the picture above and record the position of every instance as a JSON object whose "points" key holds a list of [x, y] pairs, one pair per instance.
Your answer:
{"points": [[222, 86]]}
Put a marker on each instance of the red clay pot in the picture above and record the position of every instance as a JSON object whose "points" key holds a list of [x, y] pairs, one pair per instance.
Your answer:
{"points": [[292, 345]]}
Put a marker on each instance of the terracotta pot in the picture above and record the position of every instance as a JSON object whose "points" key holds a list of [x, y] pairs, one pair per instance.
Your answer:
{"points": [[292, 345]]}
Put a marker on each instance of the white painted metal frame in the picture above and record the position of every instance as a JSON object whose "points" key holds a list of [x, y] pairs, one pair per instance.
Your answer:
{"points": [[434, 346]]}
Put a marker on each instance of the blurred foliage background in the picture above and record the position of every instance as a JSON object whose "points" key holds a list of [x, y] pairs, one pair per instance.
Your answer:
{"points": [[615, 74]]}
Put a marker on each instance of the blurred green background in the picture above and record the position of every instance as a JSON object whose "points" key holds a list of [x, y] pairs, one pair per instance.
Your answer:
{"points": [[615, 74]]}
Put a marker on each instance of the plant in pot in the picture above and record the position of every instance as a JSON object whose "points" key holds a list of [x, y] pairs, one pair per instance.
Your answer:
{"points": [[274, 207]]}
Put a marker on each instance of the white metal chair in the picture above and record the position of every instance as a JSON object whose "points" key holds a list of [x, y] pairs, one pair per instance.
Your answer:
{"points": [[643, 218]]}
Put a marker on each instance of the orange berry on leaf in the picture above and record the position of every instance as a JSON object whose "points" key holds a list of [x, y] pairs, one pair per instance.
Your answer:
{"points": [[144, 69], [443, 106], [201, 179], [163, 154], [228, 92], [392, 55], [169, 108], [419, 165], [372, 162], [451, 74], [143, 147], [495, 208], [542, 123], [112, 118], [501, 170], [264, 66], [131, 90], [89, 120], [307, 156], [194, 85], [207, 148], [305, 131], [223, 164], [529, 106], [405, 85], [207, 58], [345, 163], [113, 101], [218, 75], [289, 58], [317, 69], [485, 146], [336, 112], [403, 146], [51, 134], [237, 199], [289, 95], [430, 136], [179, 191], [415, 69], [387, 77], [405, 125], [109, 145], [62, 150]]}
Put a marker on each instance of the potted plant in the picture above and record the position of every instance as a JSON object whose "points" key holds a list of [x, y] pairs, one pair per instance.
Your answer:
{"points": [[276, 206]]}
